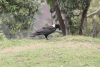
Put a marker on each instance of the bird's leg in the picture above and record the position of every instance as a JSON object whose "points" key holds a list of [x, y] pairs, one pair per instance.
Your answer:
{"points": [[46, 36]]}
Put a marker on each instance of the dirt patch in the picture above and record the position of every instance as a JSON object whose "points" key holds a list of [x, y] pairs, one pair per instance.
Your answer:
{"points": [[20, 48], [68, 44]]}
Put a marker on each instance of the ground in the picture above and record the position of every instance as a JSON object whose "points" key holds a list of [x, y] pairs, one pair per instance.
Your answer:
{"points": [[77, 51]]}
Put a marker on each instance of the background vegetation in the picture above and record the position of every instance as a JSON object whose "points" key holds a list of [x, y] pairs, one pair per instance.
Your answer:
{"points": [[75, 17]]}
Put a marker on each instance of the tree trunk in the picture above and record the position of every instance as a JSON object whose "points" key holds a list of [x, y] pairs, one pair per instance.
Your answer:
{"points": [[66, 23], [59, 17], [85, 26], [83, 17], [94, 28]]}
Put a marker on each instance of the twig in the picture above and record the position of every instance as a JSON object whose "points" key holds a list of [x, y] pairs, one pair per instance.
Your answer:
{"points": [[93, 13], [58, 32], [35, 28]]}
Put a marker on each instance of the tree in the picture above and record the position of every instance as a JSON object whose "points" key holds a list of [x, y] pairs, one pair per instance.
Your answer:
{"points": [[68, 8], [82, 10], [56, 7], [84, 16], [93, 20], [18, 14]]}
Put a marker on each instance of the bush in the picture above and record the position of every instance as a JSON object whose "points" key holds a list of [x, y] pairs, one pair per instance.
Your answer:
{"points": [[1, 36]]}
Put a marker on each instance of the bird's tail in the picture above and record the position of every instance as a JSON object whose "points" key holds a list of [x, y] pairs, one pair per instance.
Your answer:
{"points": [[33, 35]]}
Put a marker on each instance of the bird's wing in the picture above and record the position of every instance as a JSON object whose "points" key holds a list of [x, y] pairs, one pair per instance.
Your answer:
{"points": [[49, 27], [46, 30]]}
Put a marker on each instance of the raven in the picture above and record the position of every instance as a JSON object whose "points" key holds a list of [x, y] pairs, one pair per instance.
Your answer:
{"points": [[46, 30]]}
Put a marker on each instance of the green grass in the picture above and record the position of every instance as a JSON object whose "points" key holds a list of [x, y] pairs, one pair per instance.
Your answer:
{"points": [[69, 51]]}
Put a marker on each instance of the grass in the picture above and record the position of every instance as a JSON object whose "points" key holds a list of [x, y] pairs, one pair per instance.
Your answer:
{"points": [[69, 51]]}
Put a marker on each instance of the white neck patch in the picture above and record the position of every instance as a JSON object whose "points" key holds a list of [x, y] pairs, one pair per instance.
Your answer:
{"points": [[54, 25]]}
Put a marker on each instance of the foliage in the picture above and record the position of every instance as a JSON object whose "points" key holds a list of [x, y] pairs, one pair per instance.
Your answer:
{"points": [[1, 34], [93, 7], [68, 7], [18, 14], [71, 9]]}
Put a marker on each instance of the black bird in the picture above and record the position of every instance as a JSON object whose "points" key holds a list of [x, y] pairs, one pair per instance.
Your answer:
{"points": [[46, 30]]}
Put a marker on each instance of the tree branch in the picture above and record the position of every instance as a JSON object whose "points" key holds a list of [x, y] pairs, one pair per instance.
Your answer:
{"points": [[35, 28], [58, 32], [89, 15]]}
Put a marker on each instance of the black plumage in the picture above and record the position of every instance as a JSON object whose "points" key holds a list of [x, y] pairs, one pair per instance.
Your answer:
{"points": [[46, 30]]}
